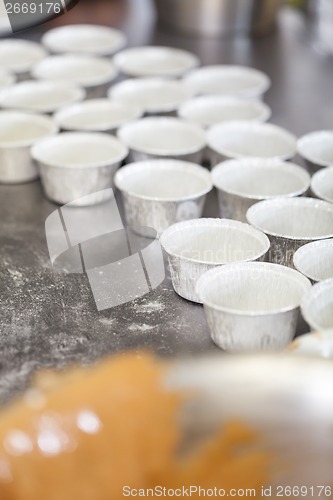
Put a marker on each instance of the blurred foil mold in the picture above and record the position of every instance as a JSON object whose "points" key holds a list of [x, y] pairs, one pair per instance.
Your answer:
{"points": [[121, 265], [27, 14], [323, 14], [219, 18]]}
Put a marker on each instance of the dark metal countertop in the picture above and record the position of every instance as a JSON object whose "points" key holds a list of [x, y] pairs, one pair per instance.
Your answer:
{"points": [[50, 319]]}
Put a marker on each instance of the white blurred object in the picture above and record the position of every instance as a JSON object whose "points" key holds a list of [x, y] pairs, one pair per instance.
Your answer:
{"points": [[84, 39], [288, 398], [324, 11], [314, 344], [6, 78]]}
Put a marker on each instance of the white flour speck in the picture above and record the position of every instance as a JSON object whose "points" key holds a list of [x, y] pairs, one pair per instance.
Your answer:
{"points": [[140, 328], [149, 307]]}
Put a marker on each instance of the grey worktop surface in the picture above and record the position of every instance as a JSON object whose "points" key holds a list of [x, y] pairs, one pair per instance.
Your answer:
{"points": [[49, 318]]}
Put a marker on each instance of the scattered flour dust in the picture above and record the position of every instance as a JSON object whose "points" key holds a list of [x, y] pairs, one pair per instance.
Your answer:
{"points": [[16, 276], [140, 328], [149, 307], [14, 273], [108, 321]]}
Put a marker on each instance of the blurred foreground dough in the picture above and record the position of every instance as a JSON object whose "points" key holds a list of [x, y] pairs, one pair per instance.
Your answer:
{"points": [[87, 434]]}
